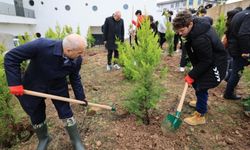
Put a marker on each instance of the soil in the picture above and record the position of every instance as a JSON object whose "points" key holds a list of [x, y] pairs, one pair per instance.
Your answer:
{"points": [[227, 127]]}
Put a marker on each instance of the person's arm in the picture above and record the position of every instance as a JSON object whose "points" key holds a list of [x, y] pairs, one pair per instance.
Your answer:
{"points": [[244, 36], [75, 81], [122, 31], [105, 33], [204, 53], [14, 58]]}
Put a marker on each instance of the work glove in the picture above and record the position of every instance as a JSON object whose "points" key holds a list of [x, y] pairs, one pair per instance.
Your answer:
{"points": [[189, 80], [16, 90], [86, 103]]}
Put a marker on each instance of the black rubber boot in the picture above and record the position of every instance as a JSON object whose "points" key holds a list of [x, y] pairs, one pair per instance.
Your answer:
{"points": [[75, 137], [41, 131]]}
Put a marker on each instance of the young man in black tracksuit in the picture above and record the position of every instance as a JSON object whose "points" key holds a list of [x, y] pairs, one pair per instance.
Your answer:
{"points": [[208, 57]]}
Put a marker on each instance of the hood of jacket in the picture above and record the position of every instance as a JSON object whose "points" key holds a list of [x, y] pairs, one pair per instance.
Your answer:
{"points": [[200, 26]]}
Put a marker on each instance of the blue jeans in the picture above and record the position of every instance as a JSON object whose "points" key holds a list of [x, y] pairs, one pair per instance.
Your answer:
{"points": [[202, 97], [237, 70]]}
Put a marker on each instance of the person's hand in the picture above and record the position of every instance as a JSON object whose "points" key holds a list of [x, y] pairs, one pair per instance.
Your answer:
{"points": [[134, 22], [189, 80], [16, 90], [105, 42], [86, 103]]}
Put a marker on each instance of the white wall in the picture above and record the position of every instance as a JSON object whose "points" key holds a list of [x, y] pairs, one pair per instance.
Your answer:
{"points": [[8, 1], [80, 14], [16, 29]]}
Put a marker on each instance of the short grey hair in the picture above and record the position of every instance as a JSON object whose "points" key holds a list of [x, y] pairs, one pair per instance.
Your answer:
{"points": [[74, 41]]}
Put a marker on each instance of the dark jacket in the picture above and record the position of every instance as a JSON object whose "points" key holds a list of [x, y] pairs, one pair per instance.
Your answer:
{"points": [[207, 55], [47, 69], [239, 33], [112, 30]]}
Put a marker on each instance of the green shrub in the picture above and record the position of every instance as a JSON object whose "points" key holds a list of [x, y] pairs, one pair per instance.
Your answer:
{"points": [[78, 30], [246, 75], [6, 110], [60, 33], [220, 25], [90, 39], [170, 38], [140, 64]]}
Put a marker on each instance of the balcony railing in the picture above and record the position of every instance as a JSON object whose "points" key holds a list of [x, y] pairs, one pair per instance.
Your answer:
{"points": [[8, 9]]}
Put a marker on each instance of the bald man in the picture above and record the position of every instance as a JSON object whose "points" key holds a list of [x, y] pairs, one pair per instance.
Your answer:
{"points": [[113, 29], [51, 62]]}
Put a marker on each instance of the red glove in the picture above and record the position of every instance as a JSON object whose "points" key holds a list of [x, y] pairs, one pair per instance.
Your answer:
{"points": [[189, 80], [16, 90], [133, 22]]}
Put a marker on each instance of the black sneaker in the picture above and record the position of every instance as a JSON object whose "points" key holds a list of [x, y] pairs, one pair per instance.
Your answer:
{"points": [[232, 97]]}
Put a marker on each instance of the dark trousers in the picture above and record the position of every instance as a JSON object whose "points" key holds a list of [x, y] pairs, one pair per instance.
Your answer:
{"points": [[35, 106], [202, 97], [109, 56], [184, 59], [162, 38], [237, 70]]}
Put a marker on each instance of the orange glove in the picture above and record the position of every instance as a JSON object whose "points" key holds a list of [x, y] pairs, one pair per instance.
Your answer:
{"points": [[16, 90], [189, 80]]}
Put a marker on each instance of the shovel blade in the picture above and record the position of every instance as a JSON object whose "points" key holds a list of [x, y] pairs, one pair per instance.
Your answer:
{"points": [[172, 122]]}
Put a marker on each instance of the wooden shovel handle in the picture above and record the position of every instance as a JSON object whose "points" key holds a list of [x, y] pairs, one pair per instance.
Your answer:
{"points": [[182, 97], [65, 99]]}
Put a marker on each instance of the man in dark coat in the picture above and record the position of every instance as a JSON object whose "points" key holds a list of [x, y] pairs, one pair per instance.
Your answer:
{"points": [[113, 30], [208, 57], [50, 62], [238, 36]]}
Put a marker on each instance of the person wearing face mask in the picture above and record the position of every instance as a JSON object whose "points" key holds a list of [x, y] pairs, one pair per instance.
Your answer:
{"points": [[113, 30], [51, 62]]}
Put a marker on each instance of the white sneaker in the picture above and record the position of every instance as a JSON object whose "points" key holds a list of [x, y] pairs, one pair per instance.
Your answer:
{"points": [[182, 69], [117, 67], [109, 67]]}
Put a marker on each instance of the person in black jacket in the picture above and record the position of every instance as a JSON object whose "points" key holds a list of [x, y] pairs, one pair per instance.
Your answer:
{"points": [[51, 62], [113, 30], [238, 36], [208, 57]]}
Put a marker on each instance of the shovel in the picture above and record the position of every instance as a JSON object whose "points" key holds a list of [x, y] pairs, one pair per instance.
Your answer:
{"points": [[65, 99], [173, 121]]}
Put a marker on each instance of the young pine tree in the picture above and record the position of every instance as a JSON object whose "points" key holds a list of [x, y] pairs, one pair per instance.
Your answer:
{"points": [[90, 39], [7, 118], [220, 25], [170, 38], [140, 63]]}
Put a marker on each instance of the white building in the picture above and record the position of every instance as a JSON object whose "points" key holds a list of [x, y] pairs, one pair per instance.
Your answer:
{"points": [[180, 5], [36, 16]]}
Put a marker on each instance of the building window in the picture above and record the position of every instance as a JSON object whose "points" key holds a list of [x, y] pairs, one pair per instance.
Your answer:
{"points": [[86, 4], [31, 2], [199, 2], [42, 2], [67, 7], [190, 2], [172, 5], [56, 8], [125, 6], [94, 8]]}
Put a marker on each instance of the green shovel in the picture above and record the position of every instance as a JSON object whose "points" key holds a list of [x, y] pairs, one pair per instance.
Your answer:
{"points": [[173, 122]]}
